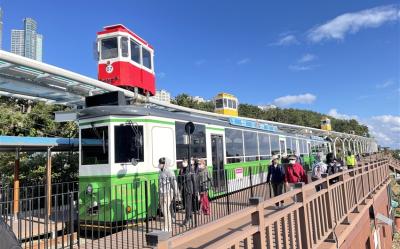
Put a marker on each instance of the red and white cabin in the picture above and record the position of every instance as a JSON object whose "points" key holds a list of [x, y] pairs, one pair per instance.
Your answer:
{"points": [[125, 60]]}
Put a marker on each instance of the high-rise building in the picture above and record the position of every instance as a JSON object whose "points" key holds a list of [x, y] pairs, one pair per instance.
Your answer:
{"points": [[30, 27], [162, 95], [17, 42], [27, 42], [1, 28], [39, 46]]}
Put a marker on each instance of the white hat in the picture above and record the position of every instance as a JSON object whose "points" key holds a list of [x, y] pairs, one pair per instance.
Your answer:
{"points": [[274, 157]]}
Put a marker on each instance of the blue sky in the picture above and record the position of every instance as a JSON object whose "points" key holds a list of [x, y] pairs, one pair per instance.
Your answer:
{"points": [[336, 57]]}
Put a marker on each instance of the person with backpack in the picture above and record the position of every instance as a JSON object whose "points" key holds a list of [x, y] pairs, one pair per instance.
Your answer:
{"points": [[318, 168], [276, 175]]}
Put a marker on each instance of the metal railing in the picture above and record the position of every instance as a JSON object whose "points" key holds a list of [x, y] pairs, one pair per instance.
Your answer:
{"points": [[120, 216], [307, 219]]}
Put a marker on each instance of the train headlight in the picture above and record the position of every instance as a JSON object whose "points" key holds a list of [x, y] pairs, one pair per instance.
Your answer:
{"points": [[128, 209], [89, 189]]}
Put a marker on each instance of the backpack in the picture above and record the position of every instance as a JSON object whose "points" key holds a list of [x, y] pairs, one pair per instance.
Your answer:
{"points": [[316, 171]]}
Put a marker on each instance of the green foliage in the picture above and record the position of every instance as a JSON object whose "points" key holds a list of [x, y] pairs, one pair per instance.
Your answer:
{"points": [[187, 101], [25, 118]]}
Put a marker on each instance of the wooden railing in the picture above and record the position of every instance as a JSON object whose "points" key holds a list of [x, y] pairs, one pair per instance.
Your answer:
{"points": [[307, 219]]}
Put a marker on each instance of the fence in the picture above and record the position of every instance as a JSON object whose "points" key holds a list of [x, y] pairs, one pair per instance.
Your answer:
{"points": [[120, 216], [304, 223]]}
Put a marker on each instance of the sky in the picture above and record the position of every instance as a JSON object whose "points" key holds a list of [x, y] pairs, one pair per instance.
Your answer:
{"points": [[341, 58]]}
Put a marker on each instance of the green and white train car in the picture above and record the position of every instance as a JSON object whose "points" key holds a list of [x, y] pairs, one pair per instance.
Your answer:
{"points": [[120, 147]]}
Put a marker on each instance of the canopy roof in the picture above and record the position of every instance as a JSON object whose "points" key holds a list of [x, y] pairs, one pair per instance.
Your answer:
{"points": [[37, 144]]}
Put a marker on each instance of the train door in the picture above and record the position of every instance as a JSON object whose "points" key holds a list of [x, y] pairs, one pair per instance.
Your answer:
{"points": [[282, 146], [217, 155]]}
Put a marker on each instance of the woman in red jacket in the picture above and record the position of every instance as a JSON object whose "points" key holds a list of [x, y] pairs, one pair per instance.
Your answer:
{"points": [[294, 173]]}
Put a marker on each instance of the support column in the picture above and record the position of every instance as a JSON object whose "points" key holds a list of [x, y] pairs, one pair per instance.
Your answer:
{"points": [[48, 181], [16, 184]]}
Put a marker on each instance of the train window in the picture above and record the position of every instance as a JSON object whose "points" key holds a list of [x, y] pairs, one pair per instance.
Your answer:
{"points": [[146, 58], [275, 145], [94, 145], [198, 145], [303, 146], [230, 104], [109, 48], [128, 143], [234, 104], [124, 47], [263, 142], [225, 103], [233, 143], [135, 52], [219, 103], [250, 145], [289, 148]]}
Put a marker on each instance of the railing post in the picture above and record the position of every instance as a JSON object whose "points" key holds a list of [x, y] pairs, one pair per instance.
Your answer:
{"points": [[251, 182], [71, 220], [146, 200], [257, 219], [227, 191], [158, 239], [303, 219]]}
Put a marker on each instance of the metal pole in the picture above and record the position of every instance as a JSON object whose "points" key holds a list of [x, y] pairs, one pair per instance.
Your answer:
{"points": [[48, 182], [16, 184]]}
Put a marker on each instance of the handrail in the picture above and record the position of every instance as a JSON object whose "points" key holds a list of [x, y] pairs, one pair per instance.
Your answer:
{"points": [[306, 223]]}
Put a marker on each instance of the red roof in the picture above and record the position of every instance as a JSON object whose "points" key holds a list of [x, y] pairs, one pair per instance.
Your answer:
{"points": [[122, 28]]}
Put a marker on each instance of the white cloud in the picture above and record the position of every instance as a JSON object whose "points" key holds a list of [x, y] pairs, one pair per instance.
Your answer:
{"points": [[388, 119], [384, 128], [297, 67], [338, 27], [200, 62], [334, 113], [385, 84], [286, 40], [307, 58], [295, 99], [243, 61]]}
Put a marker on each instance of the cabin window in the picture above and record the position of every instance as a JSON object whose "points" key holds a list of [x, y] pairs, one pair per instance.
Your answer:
{"points": [[94, 145], [303, 146], [198, 141], [234, 145], [109, 48], [275, 145], [250, 145], [135, 52], [233, 104], [124, 47], [219, 103], [146, 58], [230, 104], [265, 148], [128, 143], [225, 103]]}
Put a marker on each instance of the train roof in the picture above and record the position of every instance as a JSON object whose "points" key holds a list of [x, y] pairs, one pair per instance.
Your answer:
{"points": [[122, 28], [140, 110]]}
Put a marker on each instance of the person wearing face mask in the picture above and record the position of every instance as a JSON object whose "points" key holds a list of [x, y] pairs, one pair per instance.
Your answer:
{"points": [[276, 174], [204, 183], [294, 173], [188, 191], [167, 189]]}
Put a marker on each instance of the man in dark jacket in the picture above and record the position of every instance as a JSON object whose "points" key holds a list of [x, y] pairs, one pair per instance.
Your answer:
{"points": [[276, 174]]}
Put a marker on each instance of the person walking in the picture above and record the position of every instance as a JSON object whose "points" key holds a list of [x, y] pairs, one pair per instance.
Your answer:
{"points": [[167, 192], [276, 175], [350, 160], [318, 168], [333, 167], [294, 173], [204, 180]]}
